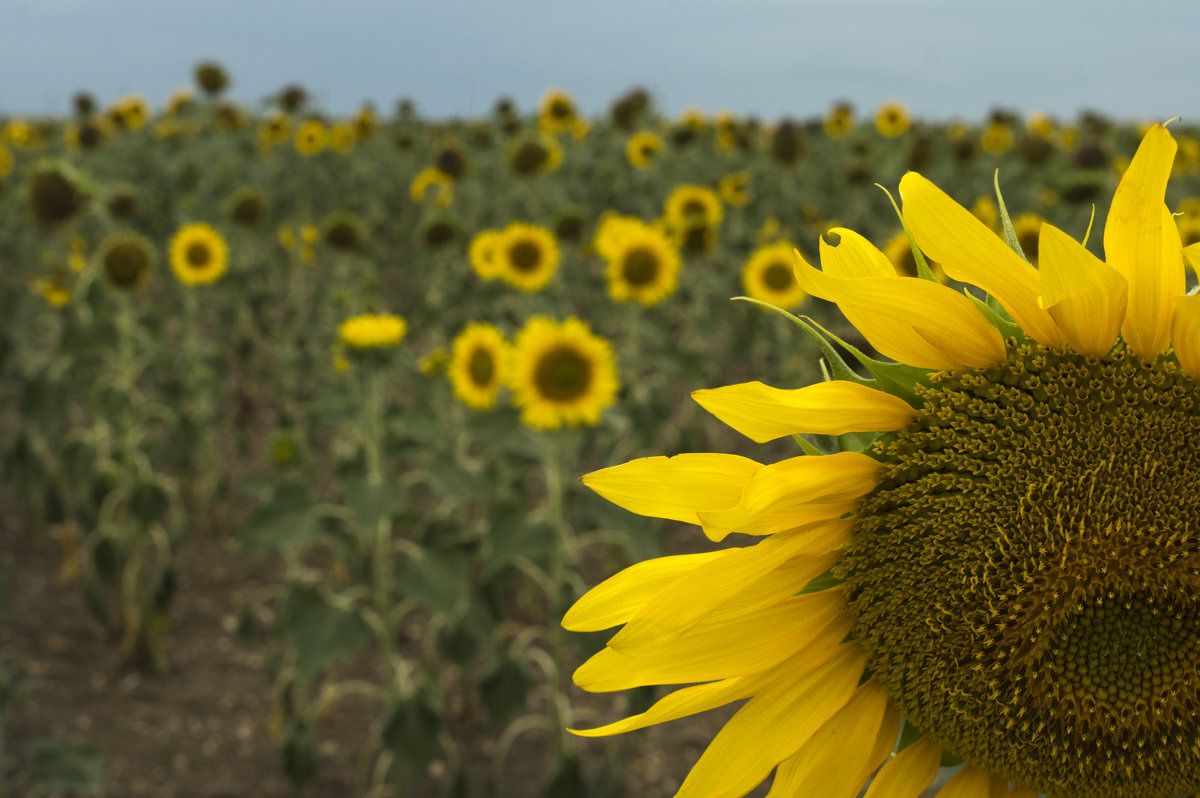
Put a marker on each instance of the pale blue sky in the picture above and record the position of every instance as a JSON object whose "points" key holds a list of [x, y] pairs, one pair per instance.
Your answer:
{"points": [[943, 58]]}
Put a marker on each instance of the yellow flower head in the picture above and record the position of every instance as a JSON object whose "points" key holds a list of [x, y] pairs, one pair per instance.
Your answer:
{"points": [[432, 177], [342, 137], [641, 148], [892, 119], [1001, 552], [482, 253], [198, 255], [767, 276], [839, 120], [642, 263], [734, 189], [562, 374], [535, 155], [311, 137], [557, 113], [372, 331], [526, 256], [691, 203], [996, 139], [478, 365]]}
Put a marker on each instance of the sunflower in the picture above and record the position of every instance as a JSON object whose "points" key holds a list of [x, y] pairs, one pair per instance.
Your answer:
{"points": [[643, 264], [562, 374], [211, 77], [372, 331], [432, 177], [1040, 124], [691, 203], [839, 120], [1009, 564], [767, 276], [996, 139], [344, 231], [198, 255], [892, 119], [247, 206], [1028, 227], [342, 137], [481, 253], [311, 137], [54, 192], [558, 114], [734, 189], [526, 256], [274, 128], [538, 154], [641, 148], [126, 259], [478, 359]]}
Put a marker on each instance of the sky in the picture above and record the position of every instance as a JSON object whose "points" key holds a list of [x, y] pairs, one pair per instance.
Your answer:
{"points": [[772, 58]]}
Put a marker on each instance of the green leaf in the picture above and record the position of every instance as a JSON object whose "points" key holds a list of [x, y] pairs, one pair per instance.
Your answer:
{"points": [[437, 579], [287, 520], [372, 503], [411, 729], [450, 479], [504, 689], [53, 763], [513, 537], [319, 632], [299, 756]]}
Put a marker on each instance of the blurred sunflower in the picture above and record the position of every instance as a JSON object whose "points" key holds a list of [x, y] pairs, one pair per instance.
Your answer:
{"points": [[1187, 158], [996, 139], [131, 112], [372, 331], [641, 148], [274, 128], [892, 119], [899, 253], [198, 254], [839, 120], [432, 177], [53, 288], [526, 256], [451, 160], [311, 137], [642, 264], [734, 189], [558, 114], [767, 276], [478, 364], [984, 209], [55, 192], [247, 206], [365, 122], [1040, 124], [481, 253], [344, 231], [956, 568], [126, 259], [562, 374], [538, 154], [342, 137], [1028, 228], [691, 203]]}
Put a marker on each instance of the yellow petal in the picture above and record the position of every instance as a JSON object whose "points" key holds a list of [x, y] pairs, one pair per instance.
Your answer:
{"points": [[796, 491], [854, 256], [1137, 238], [718, 647], [914, 321], [832, 764], [908, 773], [674, 487], [763, 413], [1185, 334], [970, 782], [972, 253], [618, 598], [691, 597], [1085, 296], [1192, 254], [772, 726]]}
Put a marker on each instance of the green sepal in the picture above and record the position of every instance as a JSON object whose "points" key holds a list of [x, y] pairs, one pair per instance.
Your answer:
{"points": [[1091, 220], [808, 446], [998, 317], [950, 760], [895, 378], [923, 270], [1010, 234], [821, 582], [838, 366]]}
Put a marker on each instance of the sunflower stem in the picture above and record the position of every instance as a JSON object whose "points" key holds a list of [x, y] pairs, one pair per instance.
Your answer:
{"points": [[555, 516]]}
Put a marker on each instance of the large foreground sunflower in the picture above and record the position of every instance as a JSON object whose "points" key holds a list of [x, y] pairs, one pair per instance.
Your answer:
{"points": [[1005, 554], [562, 374]]}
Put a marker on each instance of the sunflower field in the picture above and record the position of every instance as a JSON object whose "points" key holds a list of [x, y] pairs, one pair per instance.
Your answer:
{"points": [[360, 364]]}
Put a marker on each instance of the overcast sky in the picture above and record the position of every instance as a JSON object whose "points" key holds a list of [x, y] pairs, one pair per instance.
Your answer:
{"points": [[942, 58]]}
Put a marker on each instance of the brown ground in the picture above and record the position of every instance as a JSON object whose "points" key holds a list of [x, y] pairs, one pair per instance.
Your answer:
{"points": [[200, 730]]}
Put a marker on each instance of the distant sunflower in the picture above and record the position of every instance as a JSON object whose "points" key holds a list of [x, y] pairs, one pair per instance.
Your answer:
{"points": [[899, 253], [481, 253], [344, 231], [121, 203], [54, 192], [372, 331], [126, 259], [1028, 228], [892, 119], [839, 120], [984, 209], [1002, 560], [247, 206], [641, 148], [451, 160], [478, 363], [562, 374], [311, 137], [198, 255], [688, 204], [527, 256], [768, 277], [538, 154], [557, 113], [342, 137], [642, 265], [432, 177], [274, 128], [734, 189], [996, 139]]}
